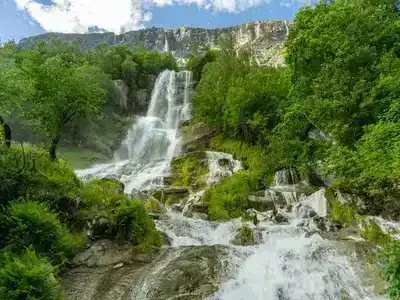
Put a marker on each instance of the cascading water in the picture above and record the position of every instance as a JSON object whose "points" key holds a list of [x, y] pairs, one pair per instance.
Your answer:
{"points": [[286, 265], [144, 156]]}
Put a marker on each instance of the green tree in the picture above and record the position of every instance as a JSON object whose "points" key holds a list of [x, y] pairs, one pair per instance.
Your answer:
{"points": [[15, 87], [64, 89], [333, 51]]}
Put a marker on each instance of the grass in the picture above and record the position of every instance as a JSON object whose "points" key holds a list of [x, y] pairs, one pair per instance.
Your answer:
{"points": [[80, 158]]}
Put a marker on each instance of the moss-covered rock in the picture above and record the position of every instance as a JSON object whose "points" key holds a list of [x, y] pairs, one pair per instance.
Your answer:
{"points": [[198, 136], [154, 206], [189, 170], [171, 195], [246, 236]]}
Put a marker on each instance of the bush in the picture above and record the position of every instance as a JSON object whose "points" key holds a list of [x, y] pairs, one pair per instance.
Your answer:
{"points": [[189, 171], [134, 224], [391, 268], [228, 199], [32, 224], [27, 172], [27, 277]]}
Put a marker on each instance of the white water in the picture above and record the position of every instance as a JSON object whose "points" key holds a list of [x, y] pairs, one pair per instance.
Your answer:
{"points": [[144, 156], [285, 266]]}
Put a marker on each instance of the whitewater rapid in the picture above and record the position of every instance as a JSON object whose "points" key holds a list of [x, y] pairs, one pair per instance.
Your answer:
{"points": [[288, 264]]}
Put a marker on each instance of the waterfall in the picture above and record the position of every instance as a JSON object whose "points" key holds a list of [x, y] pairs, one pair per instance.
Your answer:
{"points": [[287, 264], [144, 156], [166, 46]]}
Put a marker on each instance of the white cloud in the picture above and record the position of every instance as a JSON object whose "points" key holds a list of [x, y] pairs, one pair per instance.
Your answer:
{"points": [[119, 15], [79, 15]]}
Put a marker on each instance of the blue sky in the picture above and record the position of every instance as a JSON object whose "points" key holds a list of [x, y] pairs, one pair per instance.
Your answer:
{"points": [[22, 18]]}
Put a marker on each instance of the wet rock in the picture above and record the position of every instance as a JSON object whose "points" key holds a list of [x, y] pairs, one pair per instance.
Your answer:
{"points": [[305, 211], [171, 195], [321, 223], [176, 207], [286, 177], [198, 136], [334, 226], [247, 236], [281, 219], [194, 274], [136, 194], [311, 233], [199, 207], [99, 227], [201, 216], [260, 203], [166, 239]]}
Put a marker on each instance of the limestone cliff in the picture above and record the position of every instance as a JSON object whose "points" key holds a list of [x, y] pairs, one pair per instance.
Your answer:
{"points": [[264, 39]]}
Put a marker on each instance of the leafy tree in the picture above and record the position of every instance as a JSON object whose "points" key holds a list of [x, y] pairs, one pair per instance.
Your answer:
{"points": [[15, 87], [64, 89], [333, 51]]}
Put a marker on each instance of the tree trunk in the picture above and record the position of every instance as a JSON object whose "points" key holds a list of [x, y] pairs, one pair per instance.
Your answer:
{"points": [[53, 147], [7, 132]]}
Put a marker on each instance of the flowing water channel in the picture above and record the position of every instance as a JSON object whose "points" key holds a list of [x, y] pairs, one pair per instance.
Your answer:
{"points": [[286, 265]]}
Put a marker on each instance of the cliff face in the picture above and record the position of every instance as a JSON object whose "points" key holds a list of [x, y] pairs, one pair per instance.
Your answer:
{"points": [[264, 39]]}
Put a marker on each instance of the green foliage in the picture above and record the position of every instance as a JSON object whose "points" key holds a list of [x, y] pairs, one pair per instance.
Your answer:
{"points": [[59, 94], [134, 224], [333, 53], [246, 235], [228, 199], [344, 214], [189, 171], [391, 268], [372, 168], [26, 171], [27, 277], [197, 61], [373, 233], [29, 224]]}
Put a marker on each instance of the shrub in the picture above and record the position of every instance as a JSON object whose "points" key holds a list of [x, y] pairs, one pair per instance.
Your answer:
{"points": [[189, 171], [253, 159], [27, 277], [134, 224], [391, 268], [100, 197], [228, 199], [26, 171], [32, 224], [246, 235]]}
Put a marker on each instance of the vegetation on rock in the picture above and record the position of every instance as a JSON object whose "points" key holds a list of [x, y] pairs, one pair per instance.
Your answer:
{"points": [[190, 170], [228, 199]]}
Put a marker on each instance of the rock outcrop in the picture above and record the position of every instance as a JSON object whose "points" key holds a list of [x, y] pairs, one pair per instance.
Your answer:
{"points": [[264, 39], [105, 272]]}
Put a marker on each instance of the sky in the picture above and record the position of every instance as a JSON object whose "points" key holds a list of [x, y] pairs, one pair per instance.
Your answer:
{"points": [[24, 18]]}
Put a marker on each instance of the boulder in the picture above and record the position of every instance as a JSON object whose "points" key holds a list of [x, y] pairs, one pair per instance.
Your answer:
{"points": [[260, 203], [136, 194], [198, 136], [171, 195], [281, 219], [305, 211], [246, 236], [193, 274], [166, 239]]}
